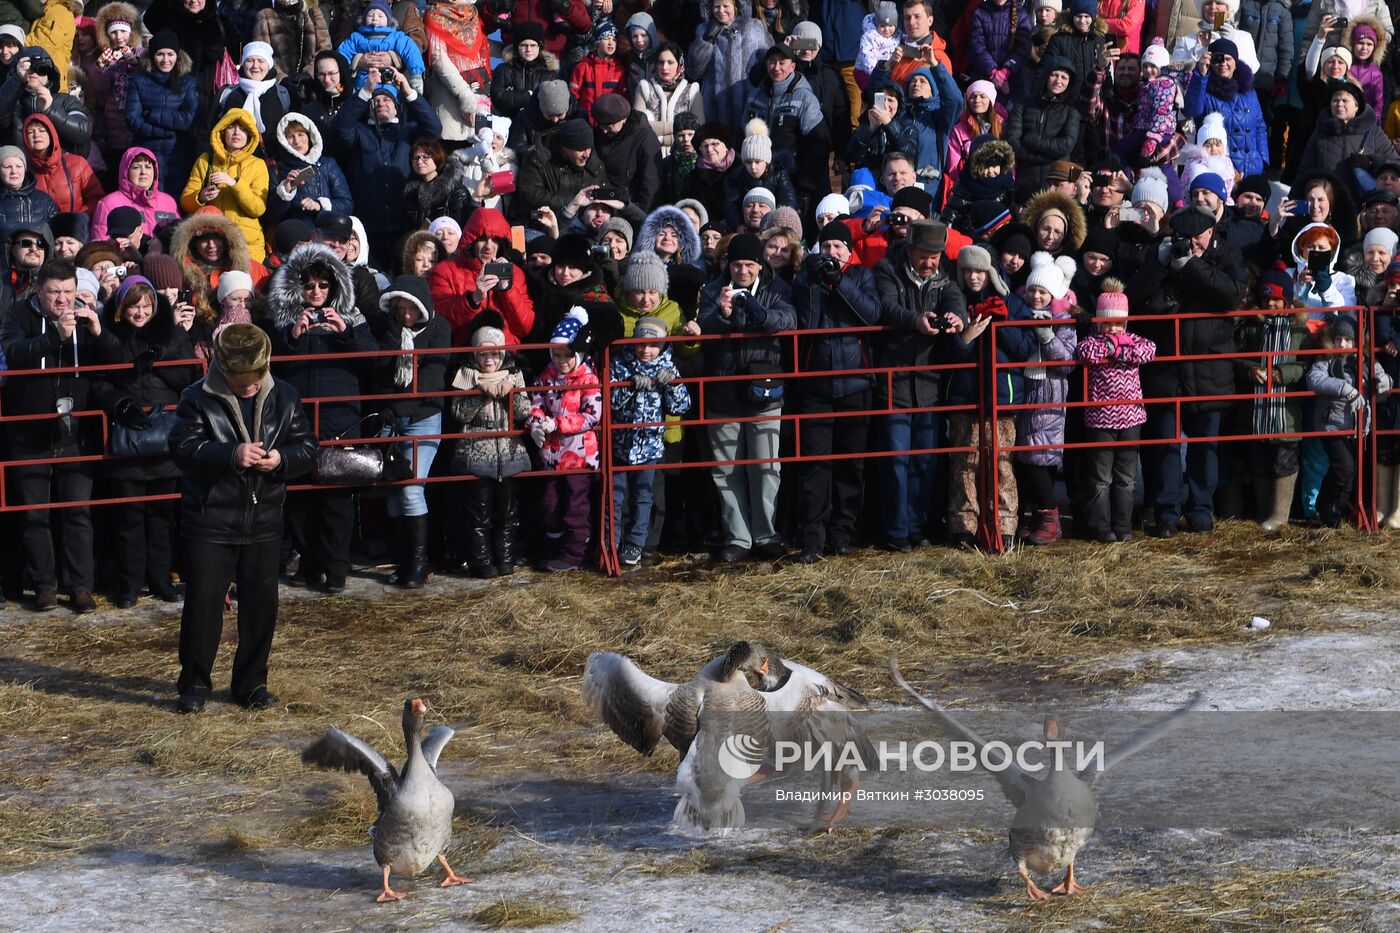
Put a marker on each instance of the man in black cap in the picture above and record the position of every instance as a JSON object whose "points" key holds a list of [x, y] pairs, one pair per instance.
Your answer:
{"points": [[1195, 271], [1248, 230], [785, 102], [559, 173], [124, 227], [926, 307], [831, 292], [630, 152], [746, 298], [335, 230]]}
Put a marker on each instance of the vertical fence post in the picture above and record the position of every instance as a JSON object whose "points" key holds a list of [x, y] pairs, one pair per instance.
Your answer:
{"points": [[608, 561]]}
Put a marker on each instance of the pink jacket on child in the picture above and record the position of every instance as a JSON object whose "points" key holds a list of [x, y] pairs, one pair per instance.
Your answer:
{"points": [[1113, 361]]}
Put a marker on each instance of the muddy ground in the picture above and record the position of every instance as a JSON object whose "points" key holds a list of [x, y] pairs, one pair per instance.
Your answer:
{"points": [[591, 849]]}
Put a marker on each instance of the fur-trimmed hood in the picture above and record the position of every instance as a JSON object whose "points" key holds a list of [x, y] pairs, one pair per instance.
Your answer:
{"points": [[416, 241], [313, 155], [284, 292], [675, 217], [1382, 44], [1076, 227], [546, 60], [123, 11], [995, 152], [185, 233], [183, 63]]}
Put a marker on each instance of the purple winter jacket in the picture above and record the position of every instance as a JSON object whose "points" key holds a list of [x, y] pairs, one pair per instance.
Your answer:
{"points": [[992, 44]]}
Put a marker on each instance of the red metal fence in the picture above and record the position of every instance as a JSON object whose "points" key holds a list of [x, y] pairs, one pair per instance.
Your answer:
{"points": [[985, 407]]}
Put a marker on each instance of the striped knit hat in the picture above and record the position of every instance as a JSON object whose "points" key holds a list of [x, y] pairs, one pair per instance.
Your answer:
{"points": [[1112, 301]]}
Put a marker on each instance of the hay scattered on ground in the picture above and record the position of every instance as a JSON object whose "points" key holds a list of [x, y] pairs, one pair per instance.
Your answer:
{"points": [[502, 664], [1242, 898], [509, 914]]}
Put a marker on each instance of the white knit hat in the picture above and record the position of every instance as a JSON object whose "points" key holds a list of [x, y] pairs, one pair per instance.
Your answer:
{"points": [[1055, 5], [1152, 186], [1051, 274], [258, 49], [757, 144], [1381, 236], [761, 194], [1157, 54], [833, 204], [1213, 127], [233, 281], [1337, 51]]}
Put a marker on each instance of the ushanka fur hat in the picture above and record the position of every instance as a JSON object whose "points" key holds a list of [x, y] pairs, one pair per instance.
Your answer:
{"points": [[242, 350]]}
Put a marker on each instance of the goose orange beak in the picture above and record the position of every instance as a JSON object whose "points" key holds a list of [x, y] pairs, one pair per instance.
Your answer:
{"points": [[420, 707], [763, 668]]}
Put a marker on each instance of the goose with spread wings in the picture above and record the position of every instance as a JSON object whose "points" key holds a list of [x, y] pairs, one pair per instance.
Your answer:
{"points": [[1055, 815], [719, 706], [415, 808]]}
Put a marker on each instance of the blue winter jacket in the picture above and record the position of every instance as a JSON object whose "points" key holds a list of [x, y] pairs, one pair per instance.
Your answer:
{"points": [[841, 29], [377, 166], [381, 39], [855, 302], [1235, 100], [1013, 344], [161, 112], [638, 406], [933, 120], [992, 44]]}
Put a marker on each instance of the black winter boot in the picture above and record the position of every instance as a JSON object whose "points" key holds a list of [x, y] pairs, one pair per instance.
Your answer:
{"points": [[507, 527], [415, 531]]}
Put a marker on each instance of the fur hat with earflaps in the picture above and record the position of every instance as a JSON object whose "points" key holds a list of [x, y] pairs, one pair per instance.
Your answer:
{"points": [[242, 350]]}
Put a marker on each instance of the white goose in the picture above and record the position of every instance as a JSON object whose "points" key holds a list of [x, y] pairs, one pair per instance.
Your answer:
{"points": [[415, 808], [642, 710]]}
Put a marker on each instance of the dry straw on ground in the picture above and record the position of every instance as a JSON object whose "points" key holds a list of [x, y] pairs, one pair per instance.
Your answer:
{"points": [[90, 700]]}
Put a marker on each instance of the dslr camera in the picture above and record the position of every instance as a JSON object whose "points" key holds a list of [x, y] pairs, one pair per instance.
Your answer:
{"points": [[826, 269], [600, 251], [1181, 246]]}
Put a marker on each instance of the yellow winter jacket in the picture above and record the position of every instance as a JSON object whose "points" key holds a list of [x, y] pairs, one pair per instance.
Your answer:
{"points": [[246, 201], [54, 31]]}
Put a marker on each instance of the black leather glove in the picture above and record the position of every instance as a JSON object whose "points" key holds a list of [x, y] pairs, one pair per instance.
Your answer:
{"points": [[712, 31], [143, 362], [131, 415]]}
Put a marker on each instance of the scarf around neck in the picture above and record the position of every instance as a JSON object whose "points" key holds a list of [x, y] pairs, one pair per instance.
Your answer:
{"points": [[252, 103]]}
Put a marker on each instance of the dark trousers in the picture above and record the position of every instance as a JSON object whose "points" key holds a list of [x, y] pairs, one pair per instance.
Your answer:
{"points": [[1110, 480], [210, 568], [1035, 487], [565, 514], [491, 513], [143, 533], [1334, 502], [321, 523], [1167, 495], [912, 482], [40, 484], [831, 489]]}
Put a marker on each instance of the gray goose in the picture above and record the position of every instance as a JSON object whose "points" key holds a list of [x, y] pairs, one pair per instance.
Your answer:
{"points": [[642, 710], [415, 808], [1055, 815]]}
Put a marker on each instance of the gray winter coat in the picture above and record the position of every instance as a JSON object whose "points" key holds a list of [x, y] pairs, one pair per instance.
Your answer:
{"points": [[1330, 377], [721, 62], [490, 457], [1271, 24]]}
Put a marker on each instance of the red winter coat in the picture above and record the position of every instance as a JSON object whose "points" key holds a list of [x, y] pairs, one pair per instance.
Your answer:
{"points": [[452, 283], [65, 177], [593, 77]]}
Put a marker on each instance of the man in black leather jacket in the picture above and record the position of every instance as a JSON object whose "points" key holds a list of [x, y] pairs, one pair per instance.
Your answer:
{"points": [[241, 436]]}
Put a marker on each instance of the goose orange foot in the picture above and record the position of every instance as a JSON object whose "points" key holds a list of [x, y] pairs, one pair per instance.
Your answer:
{"points": [[388, 894], [450, 878], [1032, 890], [1069, 885]]}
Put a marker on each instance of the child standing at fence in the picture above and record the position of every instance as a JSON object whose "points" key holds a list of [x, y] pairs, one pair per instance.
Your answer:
{"points": [[561, 424], [1113, 357], [652, 391], [1341, 397], [496, 406], [1272, 338], [1047, 297]]}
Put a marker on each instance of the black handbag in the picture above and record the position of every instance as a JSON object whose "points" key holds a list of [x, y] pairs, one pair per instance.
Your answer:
{"points": [[360, 464], [150, 441]]}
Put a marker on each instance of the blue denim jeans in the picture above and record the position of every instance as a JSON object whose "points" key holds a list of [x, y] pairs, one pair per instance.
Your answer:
{"points": [[409, 501], [632, 488], [910, 493]]}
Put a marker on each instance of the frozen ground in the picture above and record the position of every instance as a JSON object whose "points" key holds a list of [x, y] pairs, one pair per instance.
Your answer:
{"points": [[602, 850]]}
